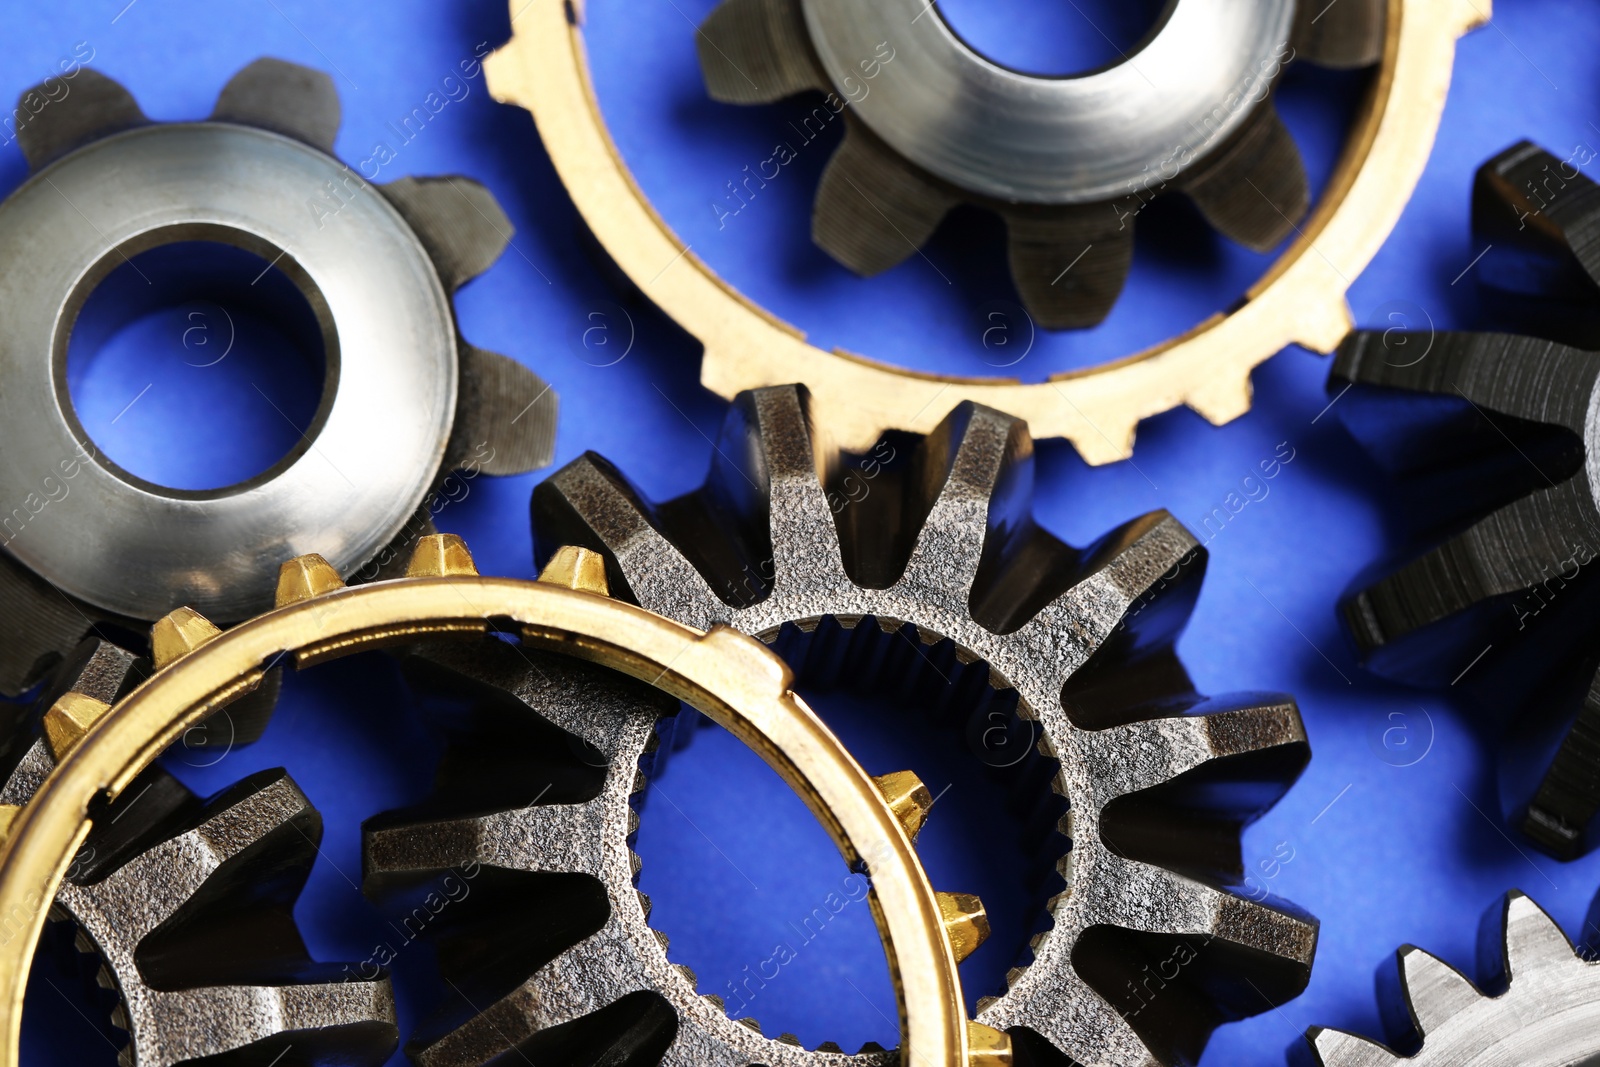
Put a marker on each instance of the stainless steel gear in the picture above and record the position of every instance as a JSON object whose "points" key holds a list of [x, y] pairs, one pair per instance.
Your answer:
{"points": [[189, 903], [1068, 163], [1548, 1016], [1495, 435], [933, 549], [407, 400]]}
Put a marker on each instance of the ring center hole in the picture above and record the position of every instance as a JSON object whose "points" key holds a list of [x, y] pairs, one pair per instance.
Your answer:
{"points": [[197, 365], [1053, 38], [751, 890]]}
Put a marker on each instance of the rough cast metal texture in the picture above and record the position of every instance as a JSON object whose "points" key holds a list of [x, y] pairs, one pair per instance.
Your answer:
{"points": [[1068, 163], [1495, 434], [1549, 1015], [408, 401], [151, 895], [937, 545], [616, 723]]}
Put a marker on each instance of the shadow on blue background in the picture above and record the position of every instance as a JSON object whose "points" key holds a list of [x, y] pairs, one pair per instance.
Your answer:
{"points": [[1396, 837]]}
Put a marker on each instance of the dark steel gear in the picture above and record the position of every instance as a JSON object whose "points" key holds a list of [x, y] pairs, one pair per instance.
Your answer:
{"points": [[189, 903], [408, 400], [1548, 1016], [922, 560], [1495, 435], [1068, 163]]}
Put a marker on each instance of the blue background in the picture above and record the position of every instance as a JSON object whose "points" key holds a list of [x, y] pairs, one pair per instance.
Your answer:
{"points": [[1383, 854]]}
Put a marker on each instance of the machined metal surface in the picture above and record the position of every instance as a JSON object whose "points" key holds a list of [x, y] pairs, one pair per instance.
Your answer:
{"points": [[405, 400], [1497, 435], [144, 894], [724, 674], [1548, 1016], [1068, 162], [1053, 140], [1300, 300], [934, 549]]}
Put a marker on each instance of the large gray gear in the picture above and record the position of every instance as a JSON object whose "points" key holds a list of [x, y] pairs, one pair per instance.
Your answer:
{"points": [[942, 552], [189, 906], [259, 172], [1549, 1015]]}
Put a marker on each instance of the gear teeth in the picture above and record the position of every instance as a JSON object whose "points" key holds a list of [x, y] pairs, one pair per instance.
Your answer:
{"points": [[459, 222], [1334, 1048], [179, 633], [577, 568], [1512, 549], [1253, 190], [305, 578], [1533, 941], [987, 1047], [1521, 377], [587, 502], [69, 719], [908, 798], [873, 208], [965, 921], [96, 108], [1168, 903], [757, 52], [966, 459], [273, 94], [1265, 723], [38, 626], [789, 445], [1569, 796], [1069, 263], [1434, 990], [505, 416], [1344, 35], [1530, 198], [441, 556]]}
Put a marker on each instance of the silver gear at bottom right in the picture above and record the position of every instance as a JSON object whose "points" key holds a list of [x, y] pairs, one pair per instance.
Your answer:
{"points": [[1549, 1015]]}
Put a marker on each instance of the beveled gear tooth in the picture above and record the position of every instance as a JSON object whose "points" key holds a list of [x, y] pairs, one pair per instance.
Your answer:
{"points": [[757, 52], [787, 1039], [1434, 990], [965, 921], [1529, 198], [505, 416], [1533, 941], [287, 98], [96, 108], [987, 1047], [1523, 377], [873, 208], [1254, 189], [304, 578], [179, 633], [69, 718], [750, 1023], [459, 222], [1344, 35], [441, 556], [1070, 263], [908, 798], [573, 567], [1335, 1048]]}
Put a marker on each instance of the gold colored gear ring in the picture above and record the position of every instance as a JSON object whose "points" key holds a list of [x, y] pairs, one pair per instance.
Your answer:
{"points": [[1300, 300], [729, 677]]}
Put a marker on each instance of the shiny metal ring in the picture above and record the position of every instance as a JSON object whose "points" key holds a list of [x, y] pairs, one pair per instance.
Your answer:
{"points": [[1043, 140], [131, 547]]}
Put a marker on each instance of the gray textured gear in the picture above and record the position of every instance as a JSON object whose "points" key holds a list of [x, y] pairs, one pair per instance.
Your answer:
{"points": [[616, 723], [944, 550], [1549, 1015], [505, 414], [138, 893]]}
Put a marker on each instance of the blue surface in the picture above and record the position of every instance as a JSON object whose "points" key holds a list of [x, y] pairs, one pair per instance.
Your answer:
{"points": [[1393, 842]]}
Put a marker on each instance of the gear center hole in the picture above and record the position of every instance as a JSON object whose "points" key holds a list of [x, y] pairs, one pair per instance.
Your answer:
{"points": [[1050, 38], [750, 889], [198, 365]]}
